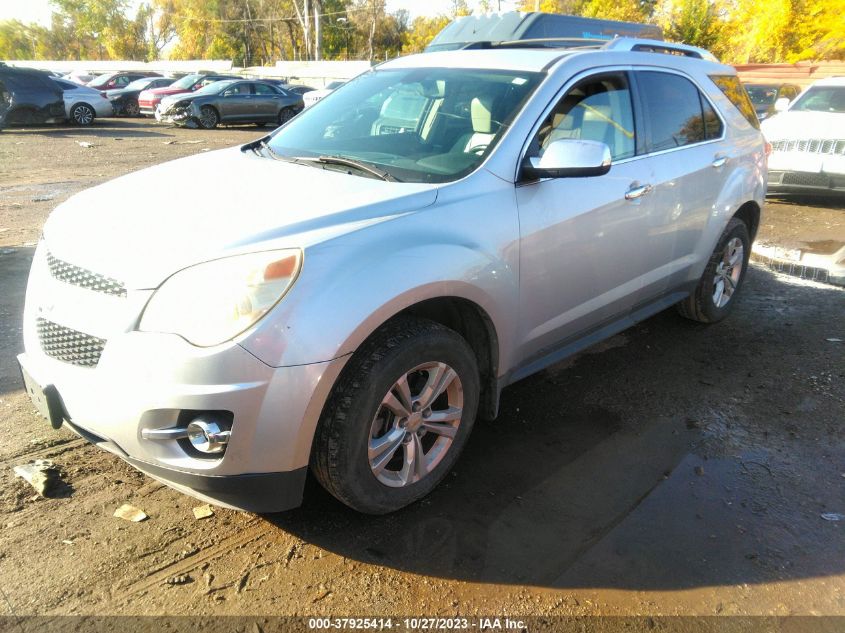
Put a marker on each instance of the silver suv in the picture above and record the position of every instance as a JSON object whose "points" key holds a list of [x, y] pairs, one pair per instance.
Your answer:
{"points": [[353, 290]]}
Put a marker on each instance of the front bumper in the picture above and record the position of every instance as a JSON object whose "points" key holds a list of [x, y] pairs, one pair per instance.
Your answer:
{"points": [[803, 170], [144, 380], [148, 108], [807, 182]]}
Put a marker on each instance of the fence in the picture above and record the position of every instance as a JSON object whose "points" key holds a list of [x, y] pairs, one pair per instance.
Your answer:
{"points": [[801, 74]]}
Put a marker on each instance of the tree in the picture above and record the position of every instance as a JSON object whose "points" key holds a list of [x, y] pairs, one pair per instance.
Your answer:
{"points": [[422, 31], [693, 22], [624, 10]]}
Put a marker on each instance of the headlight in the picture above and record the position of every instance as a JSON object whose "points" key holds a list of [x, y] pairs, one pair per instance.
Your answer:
{"points": [[212, 303]]}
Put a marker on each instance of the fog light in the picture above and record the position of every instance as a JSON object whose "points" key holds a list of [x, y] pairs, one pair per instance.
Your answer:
{"points": [[208, 436]]}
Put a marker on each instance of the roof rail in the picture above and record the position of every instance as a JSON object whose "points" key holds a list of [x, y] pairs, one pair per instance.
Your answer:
{"points": [[544, 42], [656, 46]]}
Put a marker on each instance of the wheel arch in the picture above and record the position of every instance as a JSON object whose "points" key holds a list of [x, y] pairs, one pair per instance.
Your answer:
{"points": [[472, 322], [749, 213]]}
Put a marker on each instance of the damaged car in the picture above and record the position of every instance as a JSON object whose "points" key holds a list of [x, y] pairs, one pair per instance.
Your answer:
{"points": [[231, 102], [29, 97]]}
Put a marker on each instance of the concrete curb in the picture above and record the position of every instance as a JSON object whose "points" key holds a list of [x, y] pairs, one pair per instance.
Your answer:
{"points": [[823, 268]]}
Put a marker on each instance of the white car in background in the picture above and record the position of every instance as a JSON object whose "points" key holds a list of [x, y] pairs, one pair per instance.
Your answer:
{"points": [[808, 140], [310, 98], [83, 104]]}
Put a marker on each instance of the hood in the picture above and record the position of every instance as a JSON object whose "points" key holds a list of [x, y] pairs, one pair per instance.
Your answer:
{"points": [[120, 92], [804, 125], [219, 203], [160, 92]]}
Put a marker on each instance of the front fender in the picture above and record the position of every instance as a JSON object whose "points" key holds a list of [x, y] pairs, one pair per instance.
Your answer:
{"points": [[466, 246]]}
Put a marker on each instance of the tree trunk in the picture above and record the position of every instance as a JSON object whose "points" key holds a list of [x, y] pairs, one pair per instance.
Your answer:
{"points": [[318, 32]]}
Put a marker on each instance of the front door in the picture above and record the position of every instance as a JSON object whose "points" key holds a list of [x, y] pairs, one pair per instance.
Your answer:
{"points": [[237, 103], [582, 258]]}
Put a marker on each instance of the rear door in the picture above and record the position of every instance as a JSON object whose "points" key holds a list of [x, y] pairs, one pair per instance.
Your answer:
{"points": [[266, 102], [690, 162]]}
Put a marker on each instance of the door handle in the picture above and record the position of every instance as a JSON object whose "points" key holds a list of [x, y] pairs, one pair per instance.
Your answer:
{"points": [[720, 161], [638, 192]]}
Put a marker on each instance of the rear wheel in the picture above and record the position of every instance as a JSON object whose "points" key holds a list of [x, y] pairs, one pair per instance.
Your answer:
{"points": [[398, 417], [209, 118], [286, 115], [82, 114], [716, 292]]}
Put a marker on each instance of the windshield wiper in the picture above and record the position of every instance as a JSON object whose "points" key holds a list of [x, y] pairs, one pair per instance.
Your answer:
{"points": [[322, 160], [354, 164]]}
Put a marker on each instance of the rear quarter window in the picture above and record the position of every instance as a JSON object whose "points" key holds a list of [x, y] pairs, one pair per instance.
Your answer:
{"points": [[736, 94]]}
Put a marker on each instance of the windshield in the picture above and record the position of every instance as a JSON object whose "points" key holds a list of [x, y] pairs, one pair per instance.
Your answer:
{"points": [[416, 124], [186, 82], [821, 99], [140, 84], [762, 95], [214, 88], [101, 80]]}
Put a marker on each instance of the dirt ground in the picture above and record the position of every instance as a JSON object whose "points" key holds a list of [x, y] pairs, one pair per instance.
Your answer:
{"points": [[675, 469]]}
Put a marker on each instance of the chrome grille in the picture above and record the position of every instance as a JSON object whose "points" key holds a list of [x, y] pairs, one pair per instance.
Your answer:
{"points": [[69, 346], [84, 278], [812, 146]]}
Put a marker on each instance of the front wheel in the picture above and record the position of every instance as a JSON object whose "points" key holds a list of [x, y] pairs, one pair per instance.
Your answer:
{"points": [[716, 292], [398, 418], [82, 114], [209, 118]]}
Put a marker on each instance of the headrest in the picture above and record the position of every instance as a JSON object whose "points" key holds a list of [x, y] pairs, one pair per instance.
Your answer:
{"points": [[481, 110]]}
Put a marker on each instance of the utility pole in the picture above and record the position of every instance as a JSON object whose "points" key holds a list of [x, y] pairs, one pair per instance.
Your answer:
{"points": [[536, 5]]}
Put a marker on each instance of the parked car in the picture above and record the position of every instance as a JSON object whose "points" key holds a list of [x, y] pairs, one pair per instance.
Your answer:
{"points": [[125, 100], [81, 77], [149, 100], [230, 101], [28, 96], [313, 96], [297, 88], [351, 302], [116, 81], [808, 141], [83, 104], [534, 29], [764, 96]]}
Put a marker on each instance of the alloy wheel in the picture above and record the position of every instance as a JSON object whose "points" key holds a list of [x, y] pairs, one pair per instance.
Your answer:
{"points": [[83, 115], [728, 272], [415, 424]]}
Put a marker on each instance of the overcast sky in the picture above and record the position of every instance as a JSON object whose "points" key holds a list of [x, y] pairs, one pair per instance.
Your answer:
{"points": [[39, 10]]}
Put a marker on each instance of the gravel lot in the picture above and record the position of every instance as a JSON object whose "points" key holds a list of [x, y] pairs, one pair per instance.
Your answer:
{"points": [[673, 470]]}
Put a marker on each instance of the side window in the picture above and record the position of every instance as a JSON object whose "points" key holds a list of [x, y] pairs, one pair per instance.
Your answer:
{"points": [[712, 123], [675, 111], [596, 109], [734, 91], [262, 89]]}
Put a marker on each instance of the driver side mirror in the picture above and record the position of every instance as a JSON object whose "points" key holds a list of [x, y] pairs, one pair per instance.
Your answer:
{"points": [[781, 104], [569, 158]]}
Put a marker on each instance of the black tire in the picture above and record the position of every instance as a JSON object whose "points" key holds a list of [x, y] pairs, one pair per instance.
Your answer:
{"points": [[701, 305], [339, 454], [82, 114], [208, 118], [132, 108], [285, 115]]}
